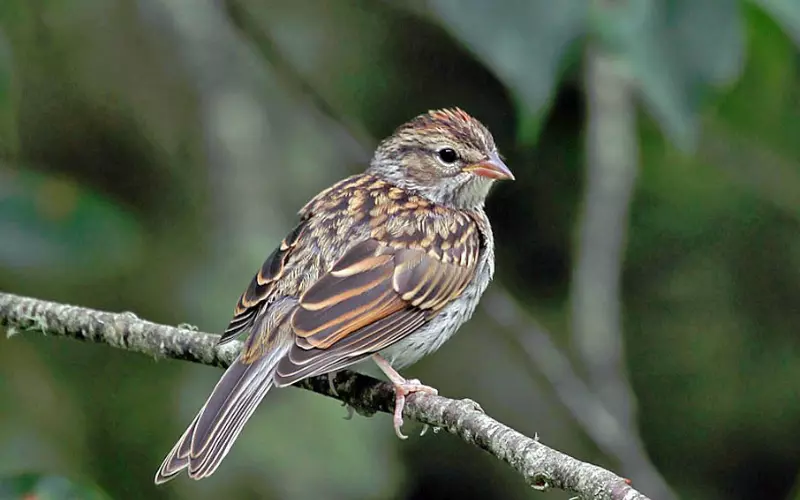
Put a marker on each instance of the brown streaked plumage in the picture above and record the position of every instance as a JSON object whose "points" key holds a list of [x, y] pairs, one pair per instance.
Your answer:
{"points": [[386, 264]]}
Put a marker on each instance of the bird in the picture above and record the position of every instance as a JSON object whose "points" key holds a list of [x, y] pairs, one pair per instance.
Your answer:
{"points": [[386, 264]]}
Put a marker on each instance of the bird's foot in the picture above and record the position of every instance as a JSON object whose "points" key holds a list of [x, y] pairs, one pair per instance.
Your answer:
{"points": [[332, 384], [401, 390], [351, 410]]}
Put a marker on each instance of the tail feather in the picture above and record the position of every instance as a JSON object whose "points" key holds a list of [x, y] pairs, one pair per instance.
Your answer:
{"points": [[178, 457], [209, 438], [216, 451], [230, 392]]}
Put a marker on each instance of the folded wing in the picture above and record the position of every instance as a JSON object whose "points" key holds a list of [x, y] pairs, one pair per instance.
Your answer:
{"points": [[376, 294]]}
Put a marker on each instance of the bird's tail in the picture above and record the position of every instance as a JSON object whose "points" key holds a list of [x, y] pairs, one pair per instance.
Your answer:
{"points": [[219, 422]]}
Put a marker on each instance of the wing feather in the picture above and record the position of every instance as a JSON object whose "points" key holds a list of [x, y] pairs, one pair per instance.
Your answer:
{"points": [[261, 287], [375, 295], [303, 362]]}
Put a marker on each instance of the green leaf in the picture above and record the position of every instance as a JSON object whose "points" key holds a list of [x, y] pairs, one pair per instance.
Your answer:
{"points": [[709, 38], [633, 32], [53, 226], [786, 13], [673, 50], [31, 486], [523, 42]]}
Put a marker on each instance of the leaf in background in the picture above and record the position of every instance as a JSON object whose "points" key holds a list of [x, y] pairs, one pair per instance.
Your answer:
{"points": [[31, 486], [54, 226], [786, 13], [523, 42], [672, 50], [709, 37]]}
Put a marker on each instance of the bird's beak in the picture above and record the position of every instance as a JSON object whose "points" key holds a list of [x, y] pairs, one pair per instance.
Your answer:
{"points": [[493, 168]]}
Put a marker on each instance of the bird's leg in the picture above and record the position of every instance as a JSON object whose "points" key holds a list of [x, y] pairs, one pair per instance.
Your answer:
{"points": [[402, 388], [332, 387]]}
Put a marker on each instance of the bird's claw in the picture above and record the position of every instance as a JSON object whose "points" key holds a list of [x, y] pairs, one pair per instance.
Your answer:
{"points": [[331, 378], [332, 386], [350, 411], [401, 390]]}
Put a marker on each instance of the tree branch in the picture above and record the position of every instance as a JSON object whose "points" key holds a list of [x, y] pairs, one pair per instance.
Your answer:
{"points": [[541, 466]]}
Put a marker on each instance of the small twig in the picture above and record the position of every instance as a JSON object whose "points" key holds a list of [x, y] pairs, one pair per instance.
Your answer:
{"points": [[541, 466]]}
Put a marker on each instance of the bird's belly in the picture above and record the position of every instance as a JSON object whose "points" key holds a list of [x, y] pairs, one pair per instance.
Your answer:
{"points": [[434, 333]]}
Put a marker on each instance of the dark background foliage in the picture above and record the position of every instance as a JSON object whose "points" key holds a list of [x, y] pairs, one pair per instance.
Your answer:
{"points": [[153, 152]]}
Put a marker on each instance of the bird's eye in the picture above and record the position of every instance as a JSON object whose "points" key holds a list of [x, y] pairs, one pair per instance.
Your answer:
{"points": [[448, 156]]}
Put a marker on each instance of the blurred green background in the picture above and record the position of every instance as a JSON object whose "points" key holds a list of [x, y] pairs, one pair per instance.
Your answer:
{"points": [[153, 152]]}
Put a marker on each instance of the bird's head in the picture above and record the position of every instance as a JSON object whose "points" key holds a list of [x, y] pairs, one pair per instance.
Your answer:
{"points": [[445, 155]]}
